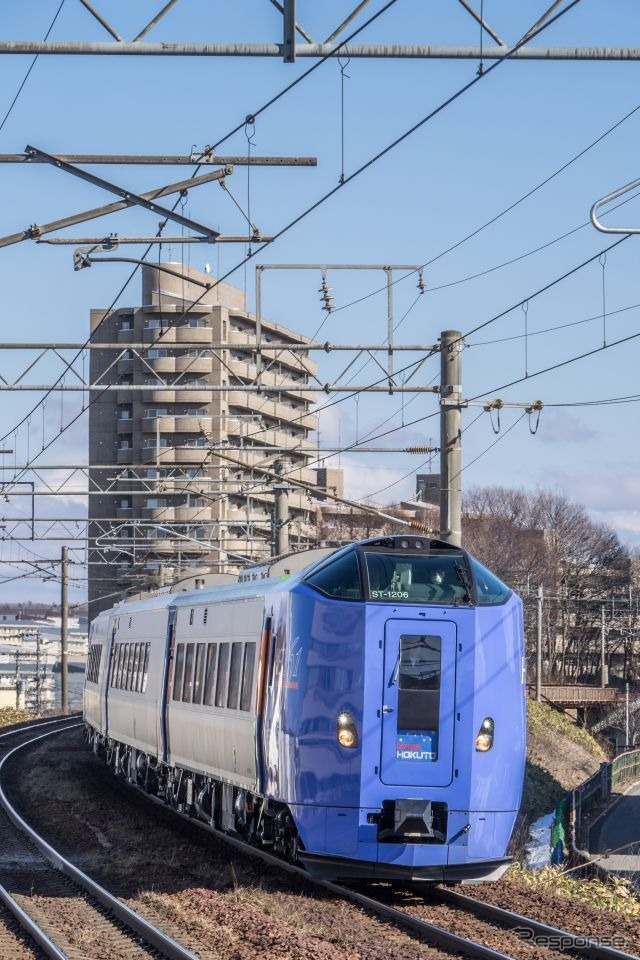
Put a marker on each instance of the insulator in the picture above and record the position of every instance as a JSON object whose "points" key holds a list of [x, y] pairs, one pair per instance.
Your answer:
{"points": [[420, 449], [421, 527], [421, 284]]}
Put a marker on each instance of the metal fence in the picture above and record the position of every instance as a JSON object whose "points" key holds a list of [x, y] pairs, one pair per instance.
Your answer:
{"points": [[625, 767], [588, 800]]}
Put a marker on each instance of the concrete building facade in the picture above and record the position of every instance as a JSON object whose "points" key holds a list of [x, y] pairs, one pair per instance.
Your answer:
{"points": [[178, 452]]}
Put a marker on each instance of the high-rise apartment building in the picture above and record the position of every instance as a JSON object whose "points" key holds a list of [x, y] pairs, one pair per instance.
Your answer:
{"points": [[177, 450]]}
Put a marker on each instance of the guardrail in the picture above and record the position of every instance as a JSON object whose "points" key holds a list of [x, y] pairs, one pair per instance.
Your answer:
{"points": [[589, 799]]}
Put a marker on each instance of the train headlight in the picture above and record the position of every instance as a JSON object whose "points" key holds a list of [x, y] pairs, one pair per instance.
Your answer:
{"points": [[484, 740], [346, 730]]}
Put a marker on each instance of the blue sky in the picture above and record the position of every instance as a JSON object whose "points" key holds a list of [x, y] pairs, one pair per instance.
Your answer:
{"points": [[501, 138]]}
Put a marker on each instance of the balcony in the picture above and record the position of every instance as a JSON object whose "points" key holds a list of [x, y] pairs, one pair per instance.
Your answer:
{"points": [[162, 365], [271, 407], [161, 514], [165, 423], [124, 366], [194, 364]]}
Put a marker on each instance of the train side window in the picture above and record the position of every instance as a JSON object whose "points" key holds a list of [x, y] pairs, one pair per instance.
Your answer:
{"points": [[145, 668], [129, 673], [93, 662], [247, 675], [340, 579], [135, 675], [115, 664], [491, 591], [121, 665], [139, 667], [234, 676], [178, 671], [210, 673], [222, 681], [198, 678], [187, 687], [124, 647]]}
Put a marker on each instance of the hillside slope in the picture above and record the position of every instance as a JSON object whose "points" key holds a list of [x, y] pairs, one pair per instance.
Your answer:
{"points": [[560, 755]]}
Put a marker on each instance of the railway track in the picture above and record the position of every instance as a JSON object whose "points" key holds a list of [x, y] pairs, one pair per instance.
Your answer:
{"points": [[535, 939], [62, 911]]}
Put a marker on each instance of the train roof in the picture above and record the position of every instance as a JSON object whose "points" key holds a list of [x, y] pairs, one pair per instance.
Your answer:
{"points": [[288, 570]]}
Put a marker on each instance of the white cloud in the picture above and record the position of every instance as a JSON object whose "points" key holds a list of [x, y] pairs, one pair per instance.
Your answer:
{"points": [[559, 427]]}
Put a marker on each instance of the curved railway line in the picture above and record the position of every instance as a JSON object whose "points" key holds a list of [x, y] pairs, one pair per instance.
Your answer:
{"points": [[122, 932], [66, 914]]}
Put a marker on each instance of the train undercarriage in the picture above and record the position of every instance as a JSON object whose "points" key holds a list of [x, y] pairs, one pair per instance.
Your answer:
{"points": [[257, 820]]}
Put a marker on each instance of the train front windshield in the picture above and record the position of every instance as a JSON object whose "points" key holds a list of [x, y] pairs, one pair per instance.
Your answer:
{"points": [[418, 579]]}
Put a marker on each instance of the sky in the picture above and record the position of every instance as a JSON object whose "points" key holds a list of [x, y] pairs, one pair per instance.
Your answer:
{"points": [[502, 137]]}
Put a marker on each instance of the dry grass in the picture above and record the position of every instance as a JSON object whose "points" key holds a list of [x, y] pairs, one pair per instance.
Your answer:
{"points": [[616, 895], [541, 718], [9, 716]]}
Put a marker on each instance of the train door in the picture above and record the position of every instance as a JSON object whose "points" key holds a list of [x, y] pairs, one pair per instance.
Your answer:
{"points": [[112, 626], [163, 713], [418, 702]]}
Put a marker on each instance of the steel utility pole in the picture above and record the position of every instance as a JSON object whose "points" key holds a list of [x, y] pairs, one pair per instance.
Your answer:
{"points": [[604, 679], [539, 647], [64, 616], [450, 436], [281, 510], [626, 715]]}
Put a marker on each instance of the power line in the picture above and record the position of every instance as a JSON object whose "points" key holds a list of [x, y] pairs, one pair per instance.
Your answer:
{"points": [[547, 286], [502, 213], [356, 173], [206, 152], [341, 183], [560, 326], [27, 74]]}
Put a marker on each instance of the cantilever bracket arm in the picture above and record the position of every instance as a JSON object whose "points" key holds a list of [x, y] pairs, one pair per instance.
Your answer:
{"points": [[127, 195], [601, 203]]}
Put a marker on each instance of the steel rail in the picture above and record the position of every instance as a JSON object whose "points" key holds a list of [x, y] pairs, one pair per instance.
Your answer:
{"points": [[14, 730], [432, 933], [585, 946], [130, 918], [31, 927]]}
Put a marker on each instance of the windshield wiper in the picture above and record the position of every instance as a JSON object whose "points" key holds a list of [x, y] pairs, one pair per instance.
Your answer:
{"points": [[463, 577]]}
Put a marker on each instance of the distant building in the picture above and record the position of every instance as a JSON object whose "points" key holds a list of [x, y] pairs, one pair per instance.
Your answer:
{"points": [[428, 487], [175, 457]]}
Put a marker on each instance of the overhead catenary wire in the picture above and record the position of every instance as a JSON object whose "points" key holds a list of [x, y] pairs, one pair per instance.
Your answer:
{"points": [[341, 184], [502, 213], [30, 68], [207, 152], [381, 153]]}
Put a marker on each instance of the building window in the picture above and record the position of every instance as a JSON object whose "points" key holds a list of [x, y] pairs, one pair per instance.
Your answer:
{"points": [[125, 503], [199, 322], [124, 443], [155, 503], [126, 323], [152, 323], [156, 353], [125, 413]]}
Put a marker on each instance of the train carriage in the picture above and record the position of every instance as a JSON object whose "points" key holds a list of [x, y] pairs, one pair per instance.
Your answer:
{"points": [[363, 715]]}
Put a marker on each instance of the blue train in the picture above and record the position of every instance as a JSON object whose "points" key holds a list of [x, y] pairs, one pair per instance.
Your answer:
{"points": [[363, 716]]}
